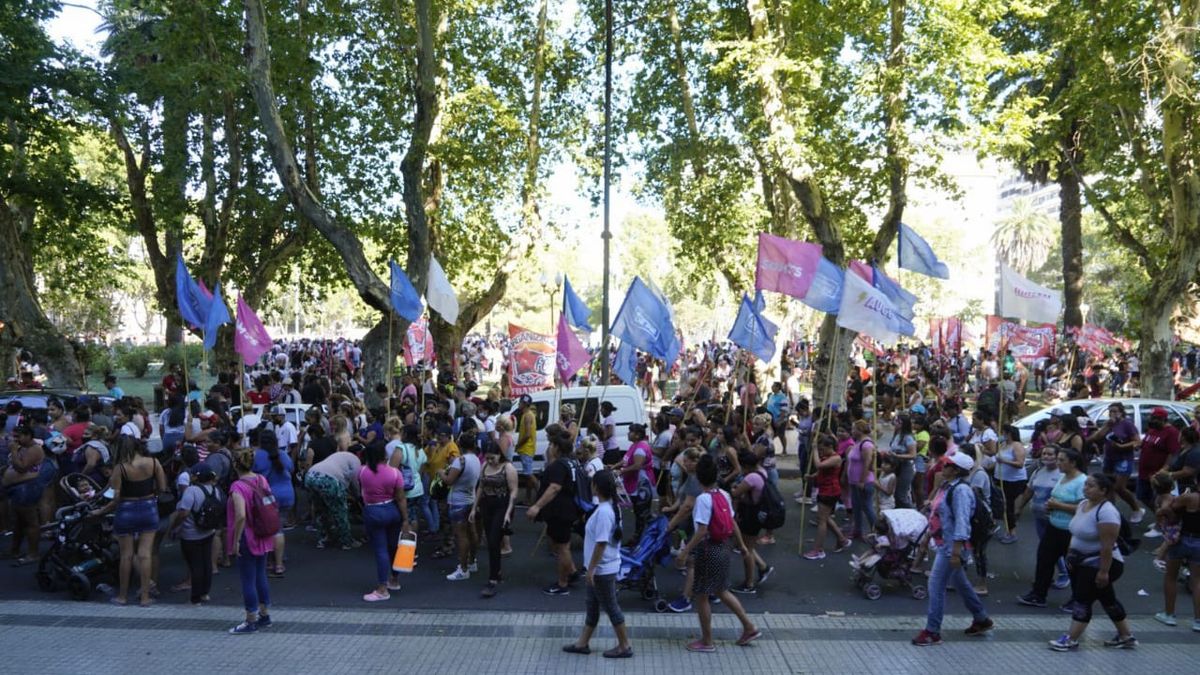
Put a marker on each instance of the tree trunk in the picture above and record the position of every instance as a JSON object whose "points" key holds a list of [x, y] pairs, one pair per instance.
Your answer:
{"points": [[832, 364], [447, 342], [378, 357], [1070, 216], [26, 325], [1155, 349]]}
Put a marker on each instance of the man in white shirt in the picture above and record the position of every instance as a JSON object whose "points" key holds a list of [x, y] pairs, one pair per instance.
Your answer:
{"points": [[285, 432]]}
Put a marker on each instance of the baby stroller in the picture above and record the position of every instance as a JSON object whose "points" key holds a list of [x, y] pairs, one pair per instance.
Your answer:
{"points": [[84, 550], [892, 556], [638, 562]]}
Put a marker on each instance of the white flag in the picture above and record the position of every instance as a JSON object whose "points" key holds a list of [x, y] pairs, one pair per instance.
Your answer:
{"points": [[867, 310], [440, 294], [1023, 299]]}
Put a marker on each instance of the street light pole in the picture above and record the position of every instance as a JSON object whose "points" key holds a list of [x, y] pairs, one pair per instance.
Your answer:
{"points": [[608, 49]]}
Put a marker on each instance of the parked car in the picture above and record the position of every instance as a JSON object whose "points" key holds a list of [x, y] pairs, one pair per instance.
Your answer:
{"points": [[35, 401], [628, 402], [1137, 409], [293, 412]]}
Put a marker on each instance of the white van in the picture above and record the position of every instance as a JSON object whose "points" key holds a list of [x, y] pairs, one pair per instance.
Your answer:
{"points": [[629, 410]]}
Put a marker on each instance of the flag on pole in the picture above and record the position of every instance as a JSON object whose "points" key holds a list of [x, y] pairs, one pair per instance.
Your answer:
{"points": [[193, 306], [752, 332], [644, 322], [867, 310], [440, 293], [900, 298], [625, 364], [786, 266], [404, 298], [572, 355], [574, 308], [218, 314], [914, 253], [825, 293], [250, 339], [1023, 299]]}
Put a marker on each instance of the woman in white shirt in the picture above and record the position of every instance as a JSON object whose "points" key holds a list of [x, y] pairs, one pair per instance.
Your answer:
{"points": [[602, 553]]}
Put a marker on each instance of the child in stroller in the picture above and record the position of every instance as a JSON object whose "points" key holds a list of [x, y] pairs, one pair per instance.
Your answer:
{"points": [[897, 538], [84, 550], [638, 562]]}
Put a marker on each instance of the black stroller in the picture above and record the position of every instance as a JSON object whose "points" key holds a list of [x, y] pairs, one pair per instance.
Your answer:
{"points": [[84, 551]]}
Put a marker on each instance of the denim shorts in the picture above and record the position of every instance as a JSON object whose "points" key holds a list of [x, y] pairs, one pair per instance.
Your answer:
{"points": [[1188, 549], [919, 464], [26, 493], [136, 516], [458, 514], [1122, 466], [526, 468]]}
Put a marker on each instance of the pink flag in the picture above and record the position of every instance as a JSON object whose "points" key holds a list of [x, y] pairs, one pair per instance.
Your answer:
{"points": [[786, 266], [204, 289], [571, 353], [863, 270], [250, 339]]}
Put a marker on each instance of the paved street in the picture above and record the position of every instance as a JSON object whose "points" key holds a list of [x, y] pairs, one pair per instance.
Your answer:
{"points": [[66, 637]]}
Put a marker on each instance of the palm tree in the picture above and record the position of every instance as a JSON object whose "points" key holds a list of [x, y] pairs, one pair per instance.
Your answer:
{"points": [[1025, 237]]}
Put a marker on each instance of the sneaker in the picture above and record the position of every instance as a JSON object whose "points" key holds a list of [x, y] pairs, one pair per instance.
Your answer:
{"points": [[1031, 600], [680, 605], [699, 646], [927, 639], [763, 575], [351, 545], [1166, 619], [1152, 533], [1064, 643], [264, 621], [714, 599], [979, 628], [473, 567], [555, 589], [489, 591], [1136, 516], [243, 628], [814, 555], [1062, 581], [843, 545], [1196, 625], [1067, 607], [745, 590], [459, 574], [1118, 642], [1008, 539], [576, 577], [376, 596]]}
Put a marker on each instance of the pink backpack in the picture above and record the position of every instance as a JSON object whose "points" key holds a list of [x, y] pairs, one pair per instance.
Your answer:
{"points": [[720, 525]]}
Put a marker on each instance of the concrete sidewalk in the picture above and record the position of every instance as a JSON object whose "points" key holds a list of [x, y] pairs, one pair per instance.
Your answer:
{"points": [[68, 637]]}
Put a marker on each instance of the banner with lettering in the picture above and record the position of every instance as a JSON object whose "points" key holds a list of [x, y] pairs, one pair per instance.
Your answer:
{"points": [[531, 361], [1028, 343]]}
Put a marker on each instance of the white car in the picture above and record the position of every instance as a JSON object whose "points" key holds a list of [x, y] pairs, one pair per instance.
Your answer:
{"points": [[1137, 409], [293, 412]]}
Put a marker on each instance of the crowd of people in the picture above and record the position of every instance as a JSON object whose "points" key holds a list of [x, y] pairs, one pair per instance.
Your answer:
{"points": [[451, 466]]}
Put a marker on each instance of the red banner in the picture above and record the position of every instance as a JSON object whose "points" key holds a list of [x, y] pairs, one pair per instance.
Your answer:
{"points": [[1028, 343], [1096, 340], [418, 343], [531, 361], [870, 345]]}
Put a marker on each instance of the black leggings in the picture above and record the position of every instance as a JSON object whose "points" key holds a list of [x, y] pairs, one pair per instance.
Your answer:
{"points": [[492, 510], [602, 595], [1083, 586], [198, 556], [979, 551], [1054, 545], [1012, 489]]}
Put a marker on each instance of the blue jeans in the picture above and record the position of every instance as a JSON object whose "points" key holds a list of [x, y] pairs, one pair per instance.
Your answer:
{"points": [[252, 570], [382, 523], [423, 510], [863, 501], [432, 515], [942, 575]]}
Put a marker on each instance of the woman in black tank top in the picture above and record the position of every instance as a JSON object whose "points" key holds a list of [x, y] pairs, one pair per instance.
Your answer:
{"points": [[137, 480], [494, 498]]}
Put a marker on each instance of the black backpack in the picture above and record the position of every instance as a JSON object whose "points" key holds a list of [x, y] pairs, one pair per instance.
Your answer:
{"points": [[582, 487], [211, 514], [772, 510], [982, 522], [1126, 542]]}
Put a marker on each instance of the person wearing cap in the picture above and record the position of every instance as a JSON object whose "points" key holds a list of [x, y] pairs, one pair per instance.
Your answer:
{"points": [[950, 530], [287, 439], [195, 543], [608, 425], [288, 393], [526, 446], [1159, 444]]}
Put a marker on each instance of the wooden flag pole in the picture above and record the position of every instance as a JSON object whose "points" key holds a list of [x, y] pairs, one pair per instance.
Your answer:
{"points": [[391, 365]]}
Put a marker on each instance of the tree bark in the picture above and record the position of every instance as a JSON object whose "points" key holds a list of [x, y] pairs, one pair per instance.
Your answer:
{"points": [[1070, 217]]}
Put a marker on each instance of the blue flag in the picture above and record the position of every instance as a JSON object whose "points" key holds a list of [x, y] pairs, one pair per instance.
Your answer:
{"points": [[825, 294], [193, 306], [760, 303], [644, 321], [218, 314], [574, 308], [404, 298], [625, 364], [902, 299], [752, 332], [914, 253]]}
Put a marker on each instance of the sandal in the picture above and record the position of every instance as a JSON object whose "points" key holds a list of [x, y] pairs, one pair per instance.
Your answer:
{"points": [[573, 649], [118, 602]]}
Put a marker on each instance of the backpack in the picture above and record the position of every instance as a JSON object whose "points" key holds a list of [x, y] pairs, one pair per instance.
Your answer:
{"points": [[982, 522], [262, 513], [211, 514], [1126, 542], [406, 471], [996, 505], [720, 525], [582, 487], [772, 510]]}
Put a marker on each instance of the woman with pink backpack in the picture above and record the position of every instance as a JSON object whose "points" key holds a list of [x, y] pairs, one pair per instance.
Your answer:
{"points": [[716, 528], [252, 523]]}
